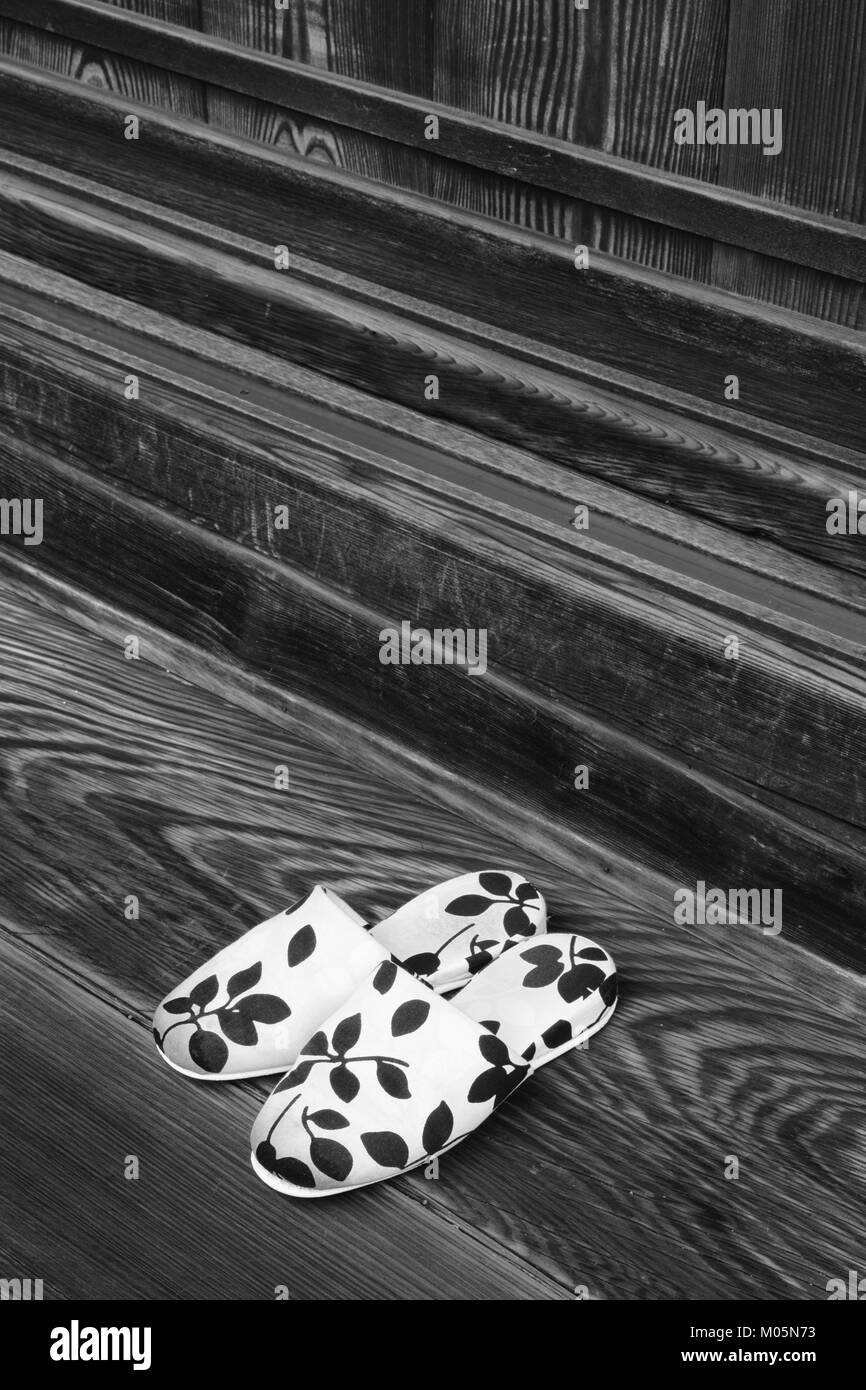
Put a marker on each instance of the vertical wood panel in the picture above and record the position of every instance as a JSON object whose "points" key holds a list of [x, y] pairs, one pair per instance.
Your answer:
{"points": [[139, 81], [610, 77], [807, 57]]}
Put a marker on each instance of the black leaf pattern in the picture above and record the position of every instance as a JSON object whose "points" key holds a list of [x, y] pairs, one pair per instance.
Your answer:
{"points": [[592, 953], [392, 1080], [608, 990], [557, 1035], [296, 1077], [526, 893], [487, 1085], [579, 981], [208, 1051], [493, 1050], [266, 1155], [317, 1046], [517, 923], [302, 945], [498, 885], [385, 976], [437, 1128], [204, 992], [264, 1008], [425, 963], [331, 1158], [244, 980], [409, 1017], [470, 905], [328, 1119], [294, 1171], [387, 1149], [344, 1083], [238, 1027], [346, 1034], [178, 1006]]}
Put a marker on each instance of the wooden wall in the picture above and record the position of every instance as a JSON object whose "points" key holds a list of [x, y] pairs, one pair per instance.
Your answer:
{"points": [[608, 79]]}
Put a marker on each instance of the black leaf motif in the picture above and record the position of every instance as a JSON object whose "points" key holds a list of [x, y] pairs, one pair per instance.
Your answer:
{"points": [[608, 990], [579, 981], [328, 1119], [487, 1085], [526, 893], [344, 1084], [492, 1025], [208, 1051], [409, 1017], [294, 1171], [237, 1027], [302, 945], [204, 992], [557, 1035], [157, 1037], [541, 955], [178, 1006], [392, 1080], [478, 960], [331, 1158], [516, 922], [266, 1155], [425, 963], [510, 1083], [386, 1148], [498, 885], [317, 1046], [437, 1128], [493, 1050], [296, 1077], [346, 1034], [244, 980], [528, 1052], [543, 975], [264, 1008], [385, 976], [592, 953], [470, 905]]}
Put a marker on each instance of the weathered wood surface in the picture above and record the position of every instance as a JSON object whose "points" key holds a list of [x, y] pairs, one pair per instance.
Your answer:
{"points": [[479, 142], [796, 372], [644, 801], [608, 1173]]}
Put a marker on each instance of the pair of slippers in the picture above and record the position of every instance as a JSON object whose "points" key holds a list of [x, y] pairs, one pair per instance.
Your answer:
{"points": [[383, 1073]]}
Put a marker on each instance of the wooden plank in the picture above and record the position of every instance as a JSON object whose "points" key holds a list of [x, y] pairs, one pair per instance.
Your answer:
{"points": [[805, 375], [97, 67], [140, 783], [108, 1100], [704, 472], [304, 636], [807, 59], [820, 242]]}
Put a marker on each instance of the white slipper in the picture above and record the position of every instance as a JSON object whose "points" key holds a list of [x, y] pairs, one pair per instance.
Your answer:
{"points": [[397, 1075], [247, 1011]]}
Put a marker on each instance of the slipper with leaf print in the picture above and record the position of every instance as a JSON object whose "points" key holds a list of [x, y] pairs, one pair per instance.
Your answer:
{"points": [[246, 1011], [398, 1075]]}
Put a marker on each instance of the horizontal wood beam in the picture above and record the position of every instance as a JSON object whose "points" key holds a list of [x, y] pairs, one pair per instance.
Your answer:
{"points": [[803, 375], [721, 214]]}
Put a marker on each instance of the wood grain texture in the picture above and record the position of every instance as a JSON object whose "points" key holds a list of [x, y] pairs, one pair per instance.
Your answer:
{"points": [[702, 472], [805, 57], [97, 1094], [608, 1172], [479, 143], [507, 277], [306, 637], [102, 70], [400, 443]]}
